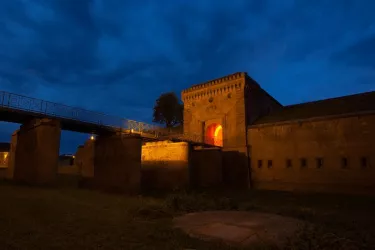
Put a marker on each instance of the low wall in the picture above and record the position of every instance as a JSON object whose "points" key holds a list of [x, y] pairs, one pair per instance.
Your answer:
{"points": [[68, 170], [206, 167], [3, 173], [235, 168], [165, 165]]}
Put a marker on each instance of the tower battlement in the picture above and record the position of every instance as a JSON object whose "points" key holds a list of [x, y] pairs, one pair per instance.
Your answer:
{"points": [[215, 87]]}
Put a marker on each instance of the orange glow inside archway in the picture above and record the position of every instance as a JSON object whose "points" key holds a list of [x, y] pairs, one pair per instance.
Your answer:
{"points": [[214, 134], [218, 130]]}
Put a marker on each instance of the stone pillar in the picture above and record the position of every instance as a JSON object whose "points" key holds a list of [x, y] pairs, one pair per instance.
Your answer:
{"points": [[117, 163], [37, 152], [84, 160], [12, 156]]}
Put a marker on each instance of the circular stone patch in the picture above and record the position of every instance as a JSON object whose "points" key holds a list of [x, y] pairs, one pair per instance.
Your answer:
{"points": [[239, 228]]}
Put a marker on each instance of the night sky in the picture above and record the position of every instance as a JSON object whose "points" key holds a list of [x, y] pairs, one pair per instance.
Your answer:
{"points": [[117, 57]]}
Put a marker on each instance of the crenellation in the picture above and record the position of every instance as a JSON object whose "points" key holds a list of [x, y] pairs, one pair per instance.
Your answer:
{"points": [[218, 90], [209, 84]]}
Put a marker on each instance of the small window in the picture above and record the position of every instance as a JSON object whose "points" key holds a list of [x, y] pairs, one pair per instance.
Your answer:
{"points": [[303, 163], [288, 163], [260, 163], [364, 162], [344, 162], [319, 162], [269, 164]]}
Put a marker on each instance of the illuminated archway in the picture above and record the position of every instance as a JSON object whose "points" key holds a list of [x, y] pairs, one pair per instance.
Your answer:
{"points": [[214, 134]]}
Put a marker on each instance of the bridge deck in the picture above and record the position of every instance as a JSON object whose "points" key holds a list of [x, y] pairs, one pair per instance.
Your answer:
{"points": [[19, 109]]}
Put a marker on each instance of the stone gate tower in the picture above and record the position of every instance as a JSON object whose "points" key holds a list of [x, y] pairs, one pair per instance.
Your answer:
{"points": [[220, 111], [216, 110]]}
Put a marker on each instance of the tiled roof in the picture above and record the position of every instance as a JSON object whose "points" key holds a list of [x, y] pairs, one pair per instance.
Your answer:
{"points": [[329, 107]]}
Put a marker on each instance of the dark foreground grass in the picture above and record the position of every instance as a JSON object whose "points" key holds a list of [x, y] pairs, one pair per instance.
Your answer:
{"points": [[35, 218]]}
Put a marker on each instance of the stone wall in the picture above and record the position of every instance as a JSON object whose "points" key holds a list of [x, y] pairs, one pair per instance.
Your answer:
{"points": [[331, 155], [234, 102], [68, 170], [117, 163], [258, 102], [236, 168], [84, 159], [3, 164], [37, 152], [218, 101], [12, 155], [165, 165], [4, 159], [3, 172], [206, 168]]}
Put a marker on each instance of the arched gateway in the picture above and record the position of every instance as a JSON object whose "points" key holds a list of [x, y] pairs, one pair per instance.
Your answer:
{"points": [[214, 135]]}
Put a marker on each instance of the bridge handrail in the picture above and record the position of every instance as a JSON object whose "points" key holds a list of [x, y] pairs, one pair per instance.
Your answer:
{"points": [[51, 109]]}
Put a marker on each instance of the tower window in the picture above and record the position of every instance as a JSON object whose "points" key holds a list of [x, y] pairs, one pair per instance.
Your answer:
{"points": [[364, 162], [319, 162], [260, 163], [344, 162], [269, 164], [288, 163], [303, 162]]}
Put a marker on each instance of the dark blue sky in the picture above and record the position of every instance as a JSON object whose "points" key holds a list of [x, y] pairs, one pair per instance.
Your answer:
{"points": [[118, 56]]}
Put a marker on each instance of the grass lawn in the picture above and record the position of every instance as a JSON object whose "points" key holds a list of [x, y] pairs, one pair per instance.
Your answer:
{"points": [[65, 218]]}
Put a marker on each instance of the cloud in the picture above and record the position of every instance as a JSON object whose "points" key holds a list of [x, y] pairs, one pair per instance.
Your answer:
{"points": [[118, 56], [358, 54]]}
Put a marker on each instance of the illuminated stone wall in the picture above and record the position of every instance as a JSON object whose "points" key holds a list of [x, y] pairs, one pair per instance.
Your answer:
{"points": [[280, 149], [219, 101], [232, 101], [4, 159], [3, 164], [165, 165]]}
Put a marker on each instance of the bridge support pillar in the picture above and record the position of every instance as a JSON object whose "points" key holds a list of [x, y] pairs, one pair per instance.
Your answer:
{"points": [[117, 163], [85, 162], [37, 152]]}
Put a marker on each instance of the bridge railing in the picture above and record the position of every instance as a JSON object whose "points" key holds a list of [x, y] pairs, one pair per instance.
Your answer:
{"points": [[50, 109]]}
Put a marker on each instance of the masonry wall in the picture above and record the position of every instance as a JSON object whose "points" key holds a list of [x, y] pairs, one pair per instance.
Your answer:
{"points": [[165, 165], [236, 168], [258, 102], [325, 146], [3, 164], [12, 155], [117, 163], [222, 101], [219, 101], [206, 168], [85, 159], [68, 170], [36, 156]]}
